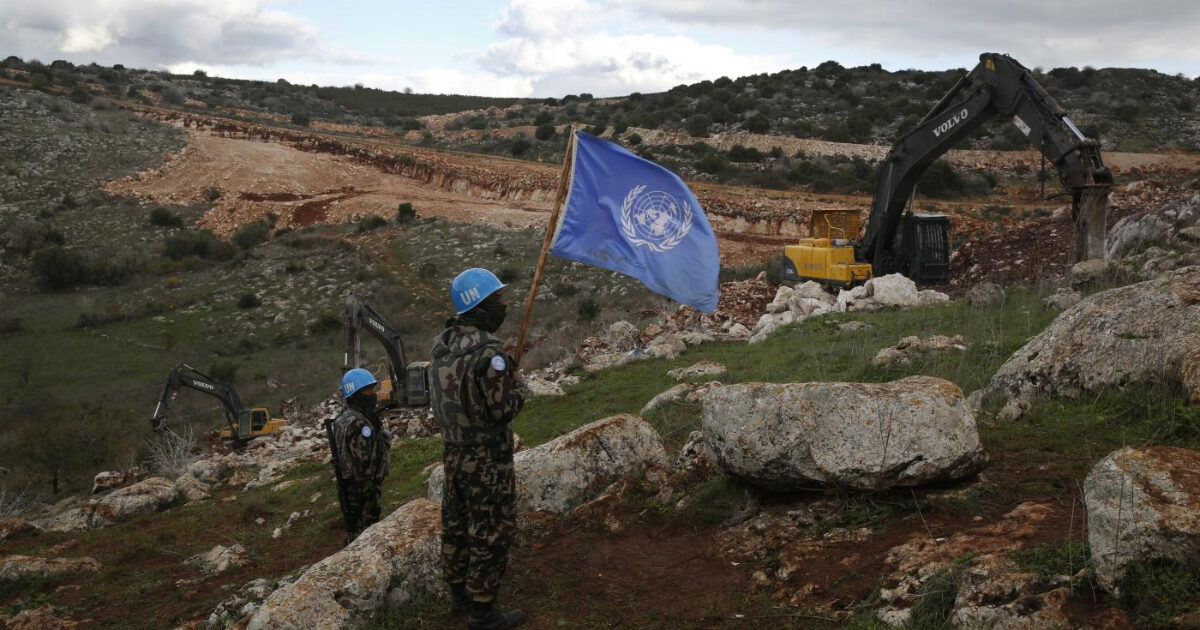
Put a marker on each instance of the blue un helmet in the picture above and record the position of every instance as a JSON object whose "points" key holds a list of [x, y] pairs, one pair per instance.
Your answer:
{"points": [[355, 380], [472, 287]]}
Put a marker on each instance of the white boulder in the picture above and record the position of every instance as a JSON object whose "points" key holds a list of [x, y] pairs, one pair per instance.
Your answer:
{"points": [[572, 468], [391, 562], [864, 436], [894, 290], [1143, 503], [1142, 333]]}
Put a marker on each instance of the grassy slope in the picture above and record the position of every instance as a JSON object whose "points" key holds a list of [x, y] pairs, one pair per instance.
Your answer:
{"points": [[1042, 458]]}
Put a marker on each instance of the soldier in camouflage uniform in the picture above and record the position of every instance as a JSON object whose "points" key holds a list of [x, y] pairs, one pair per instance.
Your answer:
{"points": [[362, 452], [475, 395]]}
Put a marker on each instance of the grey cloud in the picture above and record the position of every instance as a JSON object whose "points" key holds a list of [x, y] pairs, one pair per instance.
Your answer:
{"points": [[158, 34], [1101, 32]]}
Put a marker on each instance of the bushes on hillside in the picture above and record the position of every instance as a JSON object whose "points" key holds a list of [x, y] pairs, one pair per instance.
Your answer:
{"points": [[252, 234], [370, 223], [405, 213], [56, 268], [198, 243], [163, 217]]}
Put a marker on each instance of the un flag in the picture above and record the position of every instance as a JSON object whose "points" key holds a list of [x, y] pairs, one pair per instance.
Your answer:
{"points": [[630, 215]]}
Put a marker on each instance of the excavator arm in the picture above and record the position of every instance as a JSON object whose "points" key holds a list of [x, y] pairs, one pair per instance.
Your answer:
{"points": [[998, 86], [183, 375], [361, 317]]}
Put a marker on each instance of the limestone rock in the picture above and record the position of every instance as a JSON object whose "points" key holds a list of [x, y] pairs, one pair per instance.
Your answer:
{"points": [[994, 593], [671, 395], [110, 479], [864, 436], [667, 346], [697, 370], [220, 558], [191, 488], [894, 290], [13, 568], [621, 336], [542, 387], [815, 291], [929, 296], [144, 497], [392, 562], [985, 294], [574, 467], [14, 527], [1143, 504], [738, 332], [1093, 271], [43, 618], [1062, 299], [910, 347], [768, 324], [1142, 333], [782, 296], [244, 602]]}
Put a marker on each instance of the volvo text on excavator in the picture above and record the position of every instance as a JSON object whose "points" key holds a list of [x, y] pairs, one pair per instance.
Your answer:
{"points": [[413, 390], [244, 423], [918, 245]]}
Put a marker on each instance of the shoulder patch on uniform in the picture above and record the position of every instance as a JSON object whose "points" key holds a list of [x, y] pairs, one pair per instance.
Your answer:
{"points": [[498, 363], [366, 432]]}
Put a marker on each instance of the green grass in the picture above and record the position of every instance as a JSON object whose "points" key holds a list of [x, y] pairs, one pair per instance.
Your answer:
{"points": [[1155, 592]]}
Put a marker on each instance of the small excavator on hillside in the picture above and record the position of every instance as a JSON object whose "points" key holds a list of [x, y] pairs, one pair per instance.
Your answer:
{"points": [[413, 390], [918, 245], [244, 423]]}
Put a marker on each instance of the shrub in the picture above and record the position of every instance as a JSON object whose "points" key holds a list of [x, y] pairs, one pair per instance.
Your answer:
{"points": [[56, 268], [301, 119], [251, 234], [370, 223], [163, 217], [588, 309], [249, 300], [211, 194], [544, 132], [520, 146], [634, 139], [223, 372], [757, 123], [739, 153], [324, 323], [405, 213], [189, 243], [698, 125], [508, 274]]}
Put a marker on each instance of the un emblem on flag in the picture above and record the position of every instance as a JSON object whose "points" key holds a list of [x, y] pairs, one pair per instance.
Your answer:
{"points": [[654, 219]]}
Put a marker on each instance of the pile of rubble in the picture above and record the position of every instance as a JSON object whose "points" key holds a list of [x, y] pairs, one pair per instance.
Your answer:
{"points": [[813, 300]]}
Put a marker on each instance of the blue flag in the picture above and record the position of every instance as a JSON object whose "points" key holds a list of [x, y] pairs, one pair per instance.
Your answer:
{"points": [[632, 216]]}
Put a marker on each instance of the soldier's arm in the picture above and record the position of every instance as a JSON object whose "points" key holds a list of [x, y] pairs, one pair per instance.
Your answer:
{"points": [[357, 451], [496, 373]]}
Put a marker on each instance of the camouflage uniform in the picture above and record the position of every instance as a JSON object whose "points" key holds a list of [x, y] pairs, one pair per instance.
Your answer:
{"points": [[475, 397], [363, 464]]}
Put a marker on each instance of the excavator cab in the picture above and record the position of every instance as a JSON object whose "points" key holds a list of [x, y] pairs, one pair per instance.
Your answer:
{"points": [[925, 242]]}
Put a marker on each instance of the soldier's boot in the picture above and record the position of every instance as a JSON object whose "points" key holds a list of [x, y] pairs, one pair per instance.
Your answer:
{"points": [[460, 600], [484, 616]]}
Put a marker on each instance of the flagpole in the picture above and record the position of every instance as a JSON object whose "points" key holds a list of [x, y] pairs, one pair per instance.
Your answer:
{"points": [[559, 197]]}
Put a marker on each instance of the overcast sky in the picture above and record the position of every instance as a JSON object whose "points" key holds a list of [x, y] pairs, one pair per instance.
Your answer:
{"points": [[555, 47]]}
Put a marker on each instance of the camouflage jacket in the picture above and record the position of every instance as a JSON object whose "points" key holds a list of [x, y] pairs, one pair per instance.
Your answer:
{"points": [[473, 391], [362, 447]]}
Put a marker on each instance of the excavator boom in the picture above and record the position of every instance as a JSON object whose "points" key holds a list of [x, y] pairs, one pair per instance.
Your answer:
{"points": [[998, 86], [243, 423], [409, 385]]}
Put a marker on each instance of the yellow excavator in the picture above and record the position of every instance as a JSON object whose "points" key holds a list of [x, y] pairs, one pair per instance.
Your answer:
{"points": [[244, 423], [918, 245], [407, 384]]}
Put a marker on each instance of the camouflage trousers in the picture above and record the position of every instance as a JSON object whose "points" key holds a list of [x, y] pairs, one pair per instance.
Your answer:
{"points": [[479, 516], [362, 506]]}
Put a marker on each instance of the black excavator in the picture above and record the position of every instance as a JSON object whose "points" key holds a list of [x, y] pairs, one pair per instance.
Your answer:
{"points": [[244, 422], [918, 245], [413, 390]]}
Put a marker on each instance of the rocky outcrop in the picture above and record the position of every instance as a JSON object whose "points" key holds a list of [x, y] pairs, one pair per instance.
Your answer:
{"points": [[911, 565], [387, 566], [993, 592], [220, 558], [697, 370], [1143, 333], [13, 568], [1165, 226], [44, 618], [912, 347], [985, 294], [1062, 299], [144, 497], [865, 436], [14, 527], [542, 387], [570, 469], [1143, 504]]}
